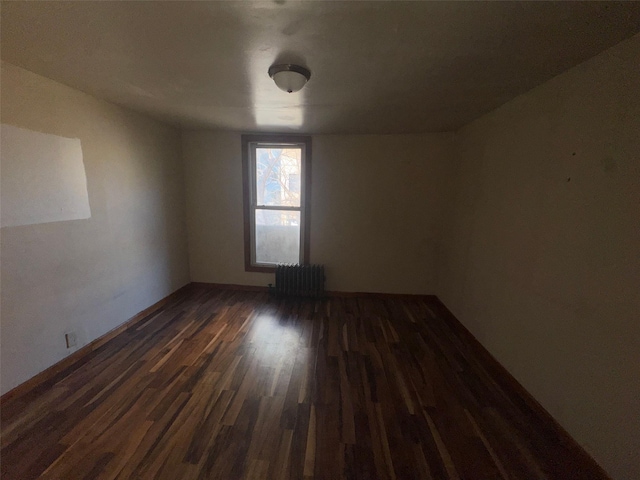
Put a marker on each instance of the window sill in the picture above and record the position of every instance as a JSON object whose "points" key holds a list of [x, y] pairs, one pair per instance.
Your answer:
{"points": [[261, 269]]}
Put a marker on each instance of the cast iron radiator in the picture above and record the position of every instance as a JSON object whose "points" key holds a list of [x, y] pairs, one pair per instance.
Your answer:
{"points": [[300, 280]]}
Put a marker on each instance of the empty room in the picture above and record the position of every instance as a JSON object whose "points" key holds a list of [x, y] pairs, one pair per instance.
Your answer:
{"points": [[320, 240]]}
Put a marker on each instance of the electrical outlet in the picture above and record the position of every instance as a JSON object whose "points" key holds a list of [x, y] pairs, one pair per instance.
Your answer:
{"points": [[71, 339]]}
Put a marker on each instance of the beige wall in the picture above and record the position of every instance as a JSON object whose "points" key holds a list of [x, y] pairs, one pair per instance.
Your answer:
{"points": [[543, 257], [375, 211], [91, 275]]}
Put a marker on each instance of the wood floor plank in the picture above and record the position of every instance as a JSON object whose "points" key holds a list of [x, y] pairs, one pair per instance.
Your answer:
{"points": [[238, 384]]}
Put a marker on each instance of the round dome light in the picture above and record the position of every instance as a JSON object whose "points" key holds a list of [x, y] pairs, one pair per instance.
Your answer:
{"points": [[289, 78]]}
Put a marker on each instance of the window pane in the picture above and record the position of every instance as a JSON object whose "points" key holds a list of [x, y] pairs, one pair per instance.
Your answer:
{"points": [[278, 173], [277, 236]]}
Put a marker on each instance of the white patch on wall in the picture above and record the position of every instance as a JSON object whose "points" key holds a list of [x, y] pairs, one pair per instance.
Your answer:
{"points": [[42, 178]]}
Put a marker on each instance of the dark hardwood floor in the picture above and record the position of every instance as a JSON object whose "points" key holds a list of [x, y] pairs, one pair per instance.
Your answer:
{"points": [[236, 384]]}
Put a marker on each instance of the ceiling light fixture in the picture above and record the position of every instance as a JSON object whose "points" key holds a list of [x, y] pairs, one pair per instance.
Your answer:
{"points": [[290, 78]]}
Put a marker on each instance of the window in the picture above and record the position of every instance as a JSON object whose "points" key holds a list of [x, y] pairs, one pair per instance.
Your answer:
{"points": [[276, 177]]}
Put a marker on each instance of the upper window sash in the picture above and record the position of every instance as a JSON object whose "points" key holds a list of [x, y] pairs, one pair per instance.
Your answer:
{"points": [[295, 170]]}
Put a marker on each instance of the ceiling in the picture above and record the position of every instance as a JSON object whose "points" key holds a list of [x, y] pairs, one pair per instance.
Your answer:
{"points": [[377, 67]]}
